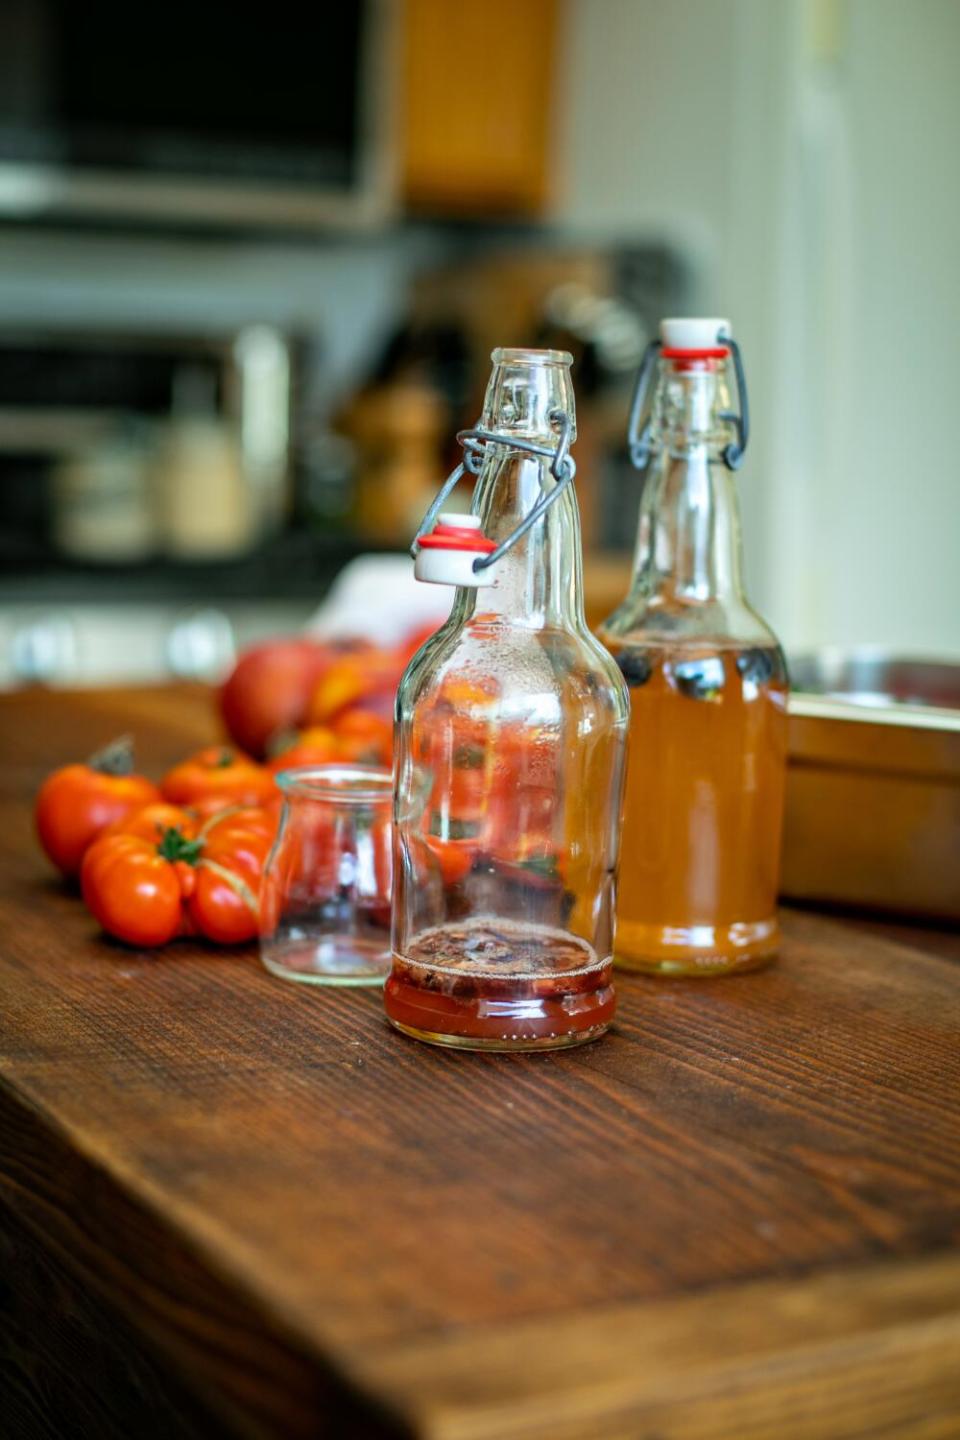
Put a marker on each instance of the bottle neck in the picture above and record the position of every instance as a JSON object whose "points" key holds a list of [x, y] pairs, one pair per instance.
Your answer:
{"points": [[540, 581], [688, 542]]}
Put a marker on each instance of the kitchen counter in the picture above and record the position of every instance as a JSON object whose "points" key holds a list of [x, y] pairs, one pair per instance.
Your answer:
{"points": [[232, 1207], [88, 626]]}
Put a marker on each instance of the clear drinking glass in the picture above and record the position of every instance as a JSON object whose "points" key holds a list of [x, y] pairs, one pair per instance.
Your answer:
{"points": [[325, 896]]}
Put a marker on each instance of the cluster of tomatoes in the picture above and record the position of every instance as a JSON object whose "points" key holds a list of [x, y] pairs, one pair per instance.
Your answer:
{"points": [[186, 857]]}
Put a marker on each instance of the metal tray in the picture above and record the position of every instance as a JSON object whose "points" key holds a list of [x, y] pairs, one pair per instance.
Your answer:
{"points": [[874, 677], [873, 784]]}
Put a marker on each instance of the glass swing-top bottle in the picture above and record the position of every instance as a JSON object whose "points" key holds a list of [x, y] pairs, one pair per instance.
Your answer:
{"points": [[511, 727], [708, 685]]}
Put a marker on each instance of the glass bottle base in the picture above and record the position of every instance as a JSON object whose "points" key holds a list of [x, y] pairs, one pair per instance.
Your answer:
{"points": [[488, 984], [504, 1045], [330, 960], [697, 951]]}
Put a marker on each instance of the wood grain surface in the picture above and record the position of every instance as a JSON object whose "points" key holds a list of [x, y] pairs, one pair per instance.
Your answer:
{"points": [[734, 1218]]}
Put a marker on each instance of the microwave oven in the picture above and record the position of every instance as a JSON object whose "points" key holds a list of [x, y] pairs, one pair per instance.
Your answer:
{"points": [[185, 113]]}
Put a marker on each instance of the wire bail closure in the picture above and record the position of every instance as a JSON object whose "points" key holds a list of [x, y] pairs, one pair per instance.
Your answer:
{"points": [[563, 468], [639, 438]]}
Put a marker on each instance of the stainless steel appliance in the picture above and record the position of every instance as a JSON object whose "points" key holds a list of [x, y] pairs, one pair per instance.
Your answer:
{"points": [[184, 113]]}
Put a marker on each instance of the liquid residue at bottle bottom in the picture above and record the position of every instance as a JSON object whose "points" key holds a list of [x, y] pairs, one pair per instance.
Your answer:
{"points": [[490, 984]]}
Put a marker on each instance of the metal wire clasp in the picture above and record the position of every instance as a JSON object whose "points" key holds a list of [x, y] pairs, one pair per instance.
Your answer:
{"points": [[563, 468], [639, 440]]}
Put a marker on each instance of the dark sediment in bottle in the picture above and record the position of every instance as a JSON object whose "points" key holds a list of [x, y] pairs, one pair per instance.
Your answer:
{"points": [[488, 983]]}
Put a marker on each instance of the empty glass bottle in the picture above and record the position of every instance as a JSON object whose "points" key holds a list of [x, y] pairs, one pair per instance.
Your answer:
{"points": [[708, 684], [511, 728]]}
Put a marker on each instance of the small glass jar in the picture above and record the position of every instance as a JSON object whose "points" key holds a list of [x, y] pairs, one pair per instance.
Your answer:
{"points": [[325, 896]]}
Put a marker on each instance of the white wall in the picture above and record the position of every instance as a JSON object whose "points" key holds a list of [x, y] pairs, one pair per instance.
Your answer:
{"points": [[802, 154], [888, 497]]}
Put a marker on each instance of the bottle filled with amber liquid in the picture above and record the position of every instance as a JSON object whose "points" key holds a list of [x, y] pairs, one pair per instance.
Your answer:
{"points": [[511, 728], [703, 809]]}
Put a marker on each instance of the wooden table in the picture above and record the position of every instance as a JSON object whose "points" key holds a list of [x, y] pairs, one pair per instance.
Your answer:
{"points": [[234, 1207]]}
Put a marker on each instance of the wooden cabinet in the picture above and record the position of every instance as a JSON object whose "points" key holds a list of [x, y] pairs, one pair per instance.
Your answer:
{"points": [[477, 102]]}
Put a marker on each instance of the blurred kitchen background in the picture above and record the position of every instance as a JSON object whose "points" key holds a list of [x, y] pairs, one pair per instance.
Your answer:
{"points": [[252, 263]]}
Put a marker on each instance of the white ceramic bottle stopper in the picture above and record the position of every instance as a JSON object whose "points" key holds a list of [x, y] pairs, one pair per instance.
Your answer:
{"points": [[446, 555], [683, 333]]}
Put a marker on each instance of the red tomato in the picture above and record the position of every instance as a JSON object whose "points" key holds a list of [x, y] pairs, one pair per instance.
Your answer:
{"points": [[364, 737], [134, 891], [270, 688], [455, 857], [76, 803], [205, 807], [522, 801], [214, 807], [351, 679], [306, 861], [218, 773], [316, 746], [147, 892], [383, 870], [224, 904], [259, 820], [153, 821]]}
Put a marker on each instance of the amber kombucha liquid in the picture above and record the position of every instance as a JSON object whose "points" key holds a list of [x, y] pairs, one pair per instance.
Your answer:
{"points": [[703, 809]]}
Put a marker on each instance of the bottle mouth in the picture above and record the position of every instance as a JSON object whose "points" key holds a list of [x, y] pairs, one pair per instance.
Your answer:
{"points": [[521, 356], [338, 784]]}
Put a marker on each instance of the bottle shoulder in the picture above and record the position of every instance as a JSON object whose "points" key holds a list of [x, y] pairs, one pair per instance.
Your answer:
{"points": [[537, 673], [644, 620]]}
